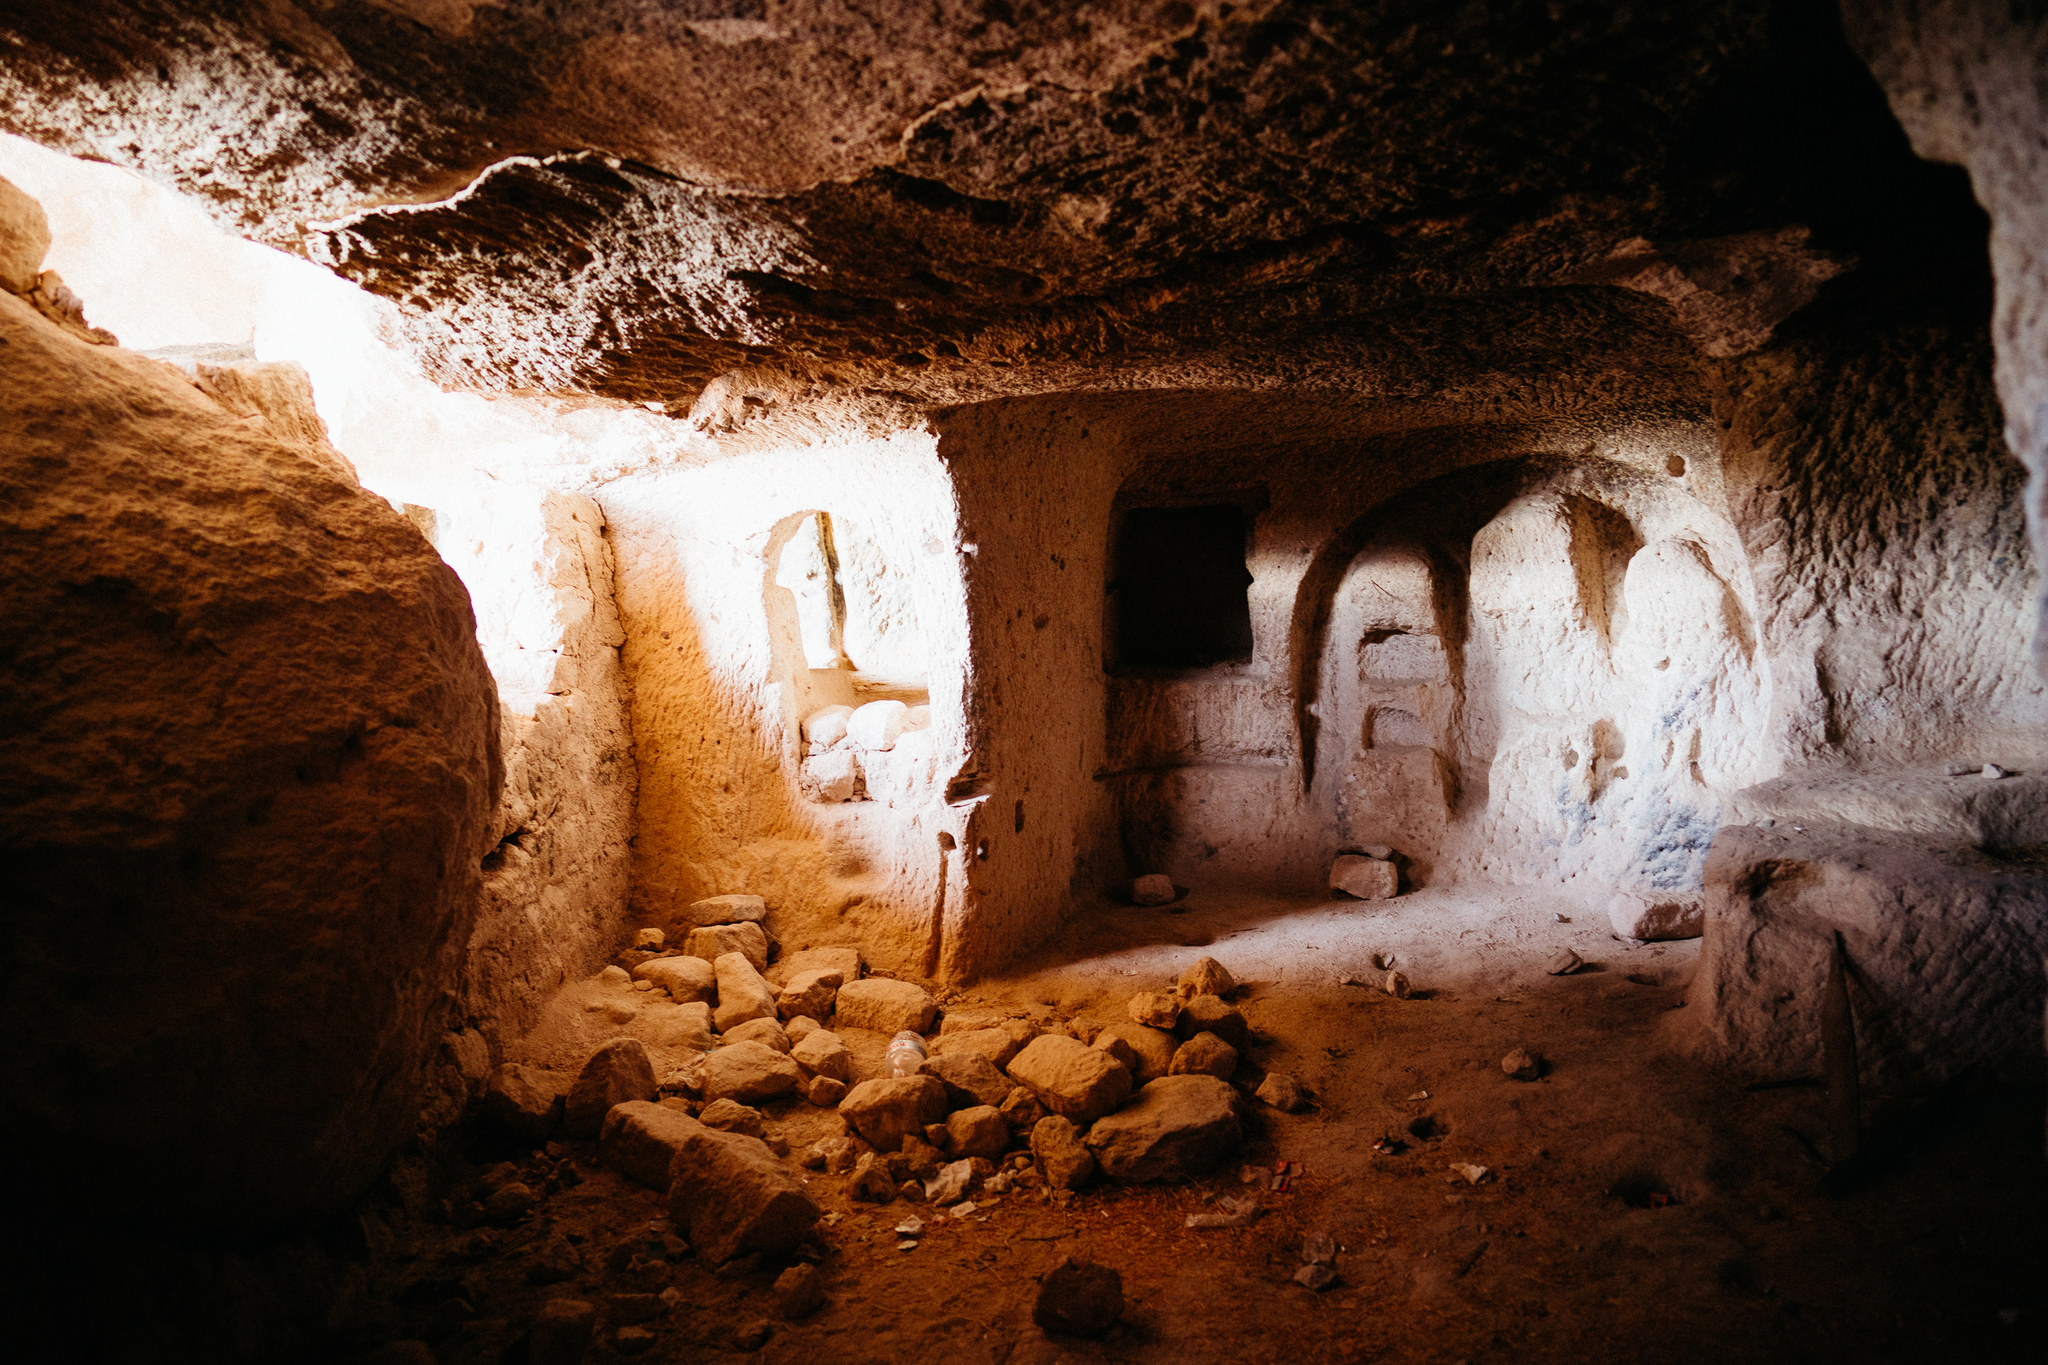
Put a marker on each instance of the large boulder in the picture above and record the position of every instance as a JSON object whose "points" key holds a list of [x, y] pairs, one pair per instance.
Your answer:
{"points": [[252, 755], [884, 1112], [619, 1071], [742, 994], [732, 1196], [1177, 1128], [885, 1006], [1070, 1078], [640, 1140], [750, 1073]]}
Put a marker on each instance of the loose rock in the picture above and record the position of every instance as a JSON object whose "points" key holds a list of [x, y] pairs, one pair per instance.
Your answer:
{"points": [[1283, 1092], [800, 1028], [824, 1091], [969, 1079], [617, 1072], [799, 1292], [885, 1006], [1117, 1047], [727, 910], [876, 726], [950, 1184], [996, 1046], [524, 1102], [1316, 1277], [1397, 986], [1070, 1078], [749, 1073], [766, 1032], [1022, 1111], [633, 1341], [1204, 1055], [648, 940], [810, 994], [719, 939], [1564, 964], [980, 1131], [562, 1332], [1155, 1009], [686, 979], [1176, 1128], [1206, 977], [1369, 879], [742, 994], [640, 1140], [1208, 1014], [823, 1053], [885, 1112], [871, 1180], [1647, 917], [730, 1116], [1154, 1047], [827, 726], [733, 1196], [1079, 1299], [1152, 889], [833, 1155], [1521, 1066], [845, 961], [1063, 1161]]}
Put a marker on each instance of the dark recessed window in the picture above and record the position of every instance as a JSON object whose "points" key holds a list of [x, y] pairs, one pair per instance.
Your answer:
{"points": [[1178, 596]]}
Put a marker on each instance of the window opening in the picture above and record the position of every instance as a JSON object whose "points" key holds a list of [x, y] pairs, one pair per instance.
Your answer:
{"points": [[1179, 597]]}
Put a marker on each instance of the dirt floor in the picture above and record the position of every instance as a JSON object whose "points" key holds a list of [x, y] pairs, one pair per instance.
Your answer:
{"points": [[1637, 1205]]}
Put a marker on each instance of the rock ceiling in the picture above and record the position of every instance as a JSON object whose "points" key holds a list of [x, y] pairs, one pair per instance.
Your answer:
{"points": [[628, 198]]}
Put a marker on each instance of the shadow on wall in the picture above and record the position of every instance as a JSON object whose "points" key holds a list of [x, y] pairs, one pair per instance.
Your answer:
{"points": [[1534, 673]]}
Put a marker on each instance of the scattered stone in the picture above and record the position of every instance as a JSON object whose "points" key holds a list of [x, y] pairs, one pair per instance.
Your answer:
{"points": [[871, 1179], [950, 1184], [1116, 1046], [1064, 1162], [1208, 1014], [837, 1155], [648, 940], [824, 1091], [717, 940], [561, 1332], [1176, 1128], [510, 1202], [617, 1072], [687, 1079], [827, 726], [938, 1136], [823, 1053], [1154, 1047], [1316, 1277], [733, 1196], [994, 1045], [800, 1028], [799, 1292], [1206, 977], [1283, 1092], [1473, 1173], [845, 961], [752, 1337], [1369, 879], [730, 1116], [885, 1006], [524, 1102], [1070, 1078], [810, 994], [829, 779], [640, 1140], [678, 1027], [1646, 918], [727, 910], [1155, 888], [1521, 1066], [766, 1032], [1397, 985], [749, 1073], [1021, 1110], [1205, 1054], [1155, 1009], [876, 726], [1319, 1248], [633, 1309], [1565, 963], [686, 979], [742, 994], [969, 1079], [918, 1159], [885, 1112], [1079, 1299], [980, 1131]]}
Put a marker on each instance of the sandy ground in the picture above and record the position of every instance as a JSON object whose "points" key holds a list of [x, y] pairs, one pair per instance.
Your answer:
{"points": [[1638, 1205]]}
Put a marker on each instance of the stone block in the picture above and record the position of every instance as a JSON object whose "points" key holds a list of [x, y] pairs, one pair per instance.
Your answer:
{"points": [[738, 909], [742, 994], [640, 1140], [823, 1053], [1369, 879], [885, 1006], [810, 994], [1070, 1078], [970, 1079], [716, 940], [686, 979], [617, 1072], [750, 1073], [1176, 1128], [885, 1112], [734, 1197], [523, 1102]]}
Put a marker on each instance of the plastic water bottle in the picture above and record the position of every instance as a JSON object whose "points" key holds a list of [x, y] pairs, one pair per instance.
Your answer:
{"points": [[905, 1054]]}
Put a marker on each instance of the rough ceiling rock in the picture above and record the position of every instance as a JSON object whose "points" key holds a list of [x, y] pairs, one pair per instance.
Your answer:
{"points": [[630, 198]]}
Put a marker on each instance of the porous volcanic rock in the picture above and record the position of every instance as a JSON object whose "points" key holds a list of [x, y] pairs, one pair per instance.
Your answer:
{"points": [[1176, 1128], [252, 754]]}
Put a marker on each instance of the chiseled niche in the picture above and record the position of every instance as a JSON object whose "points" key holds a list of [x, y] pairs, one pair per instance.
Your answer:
{"points": [[863, 695]]}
